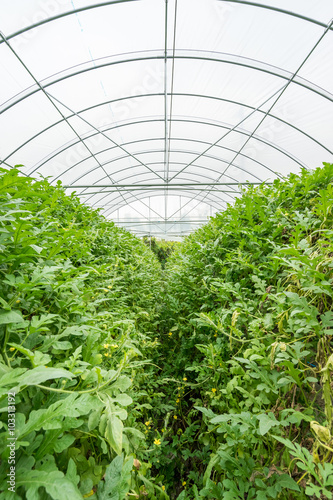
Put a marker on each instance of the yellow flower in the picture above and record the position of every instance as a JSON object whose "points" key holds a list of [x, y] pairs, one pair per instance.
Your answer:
{"points": [[109, 286], [18, 301], [106, 354], [105, 290], [147, 423], [177, 400], [163, 487], [146, 432], [213, 390], [184, 483], [163, 430], [157, 442], [215, 334], [175, 417], [106, 346], [12, 349], [170, 333], [184, 379]]}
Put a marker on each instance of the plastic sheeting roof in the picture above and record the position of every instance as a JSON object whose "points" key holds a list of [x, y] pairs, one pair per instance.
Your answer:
{"points": [[157, 111]]}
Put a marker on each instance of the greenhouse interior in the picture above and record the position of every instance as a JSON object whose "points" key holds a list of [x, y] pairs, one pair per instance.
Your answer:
{"points": [[166, 249]]}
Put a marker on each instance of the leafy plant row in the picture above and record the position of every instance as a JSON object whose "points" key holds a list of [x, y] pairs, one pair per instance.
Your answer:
{"points": [[211, 380], [78, 304], [248, 327]]}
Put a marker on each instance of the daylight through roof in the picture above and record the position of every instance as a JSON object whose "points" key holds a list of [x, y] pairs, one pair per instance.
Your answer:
{"points": [[159, 111]]}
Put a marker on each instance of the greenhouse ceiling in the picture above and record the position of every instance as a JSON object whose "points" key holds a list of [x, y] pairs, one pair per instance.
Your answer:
{"points": [[157, 112]]}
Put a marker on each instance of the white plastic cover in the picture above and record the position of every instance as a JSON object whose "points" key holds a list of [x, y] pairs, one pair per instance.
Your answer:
{"points": [[155, 111]]}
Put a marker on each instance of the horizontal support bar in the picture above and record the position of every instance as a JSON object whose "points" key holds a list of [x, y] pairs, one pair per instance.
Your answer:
{"points": [[162, 221], [131, 190], [195, 184]]}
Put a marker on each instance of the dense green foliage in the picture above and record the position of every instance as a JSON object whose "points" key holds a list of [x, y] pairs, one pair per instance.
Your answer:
{"points": [[249, 314], [161, 248], [210, 380], [78, 305]]}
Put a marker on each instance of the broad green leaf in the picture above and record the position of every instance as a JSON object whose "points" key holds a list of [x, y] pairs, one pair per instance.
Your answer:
{"points": [[123, 399], [54, 482], [266, 422], [51, 417], [41, 374], [109, 488], [8, 317], [114, 432], [288, 482], [206, 411], [122, 383], [71, 472]]}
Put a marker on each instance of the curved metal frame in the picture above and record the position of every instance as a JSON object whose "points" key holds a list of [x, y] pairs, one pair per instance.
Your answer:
{"points": [[110, 2], [156, 194], [298, 81], [242, 62], [267, 143], [119, 124]]}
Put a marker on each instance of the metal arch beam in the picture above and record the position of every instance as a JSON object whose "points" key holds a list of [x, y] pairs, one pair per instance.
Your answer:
{"points": [[105, 4], [188, 121], [276, 99], [64, 14], [247, 64], [51, 100], [180, 151], [278, 9], [216, 199], [130, 196], [154, 194], [237, 103], [253, 175], [217, 205], [155, 120], [301, 164], [174, 139], [178, 163]]}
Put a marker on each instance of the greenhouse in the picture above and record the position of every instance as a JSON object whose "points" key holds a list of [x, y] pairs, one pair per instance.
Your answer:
{"points": [[166, 250]]}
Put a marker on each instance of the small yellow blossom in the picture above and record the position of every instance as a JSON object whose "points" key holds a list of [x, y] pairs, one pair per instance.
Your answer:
{"points": [[163, 487], [12, 349], [184, 379], [105, 290], [147, 423], [105, 346], [18, 301], [110, 287], [146, 432], [157, 442], [177, 400], [215, 334], [170, 334], [114, 345], [213, 390], [163, 430], [106, 354], [184, 483], [175, 417]]}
